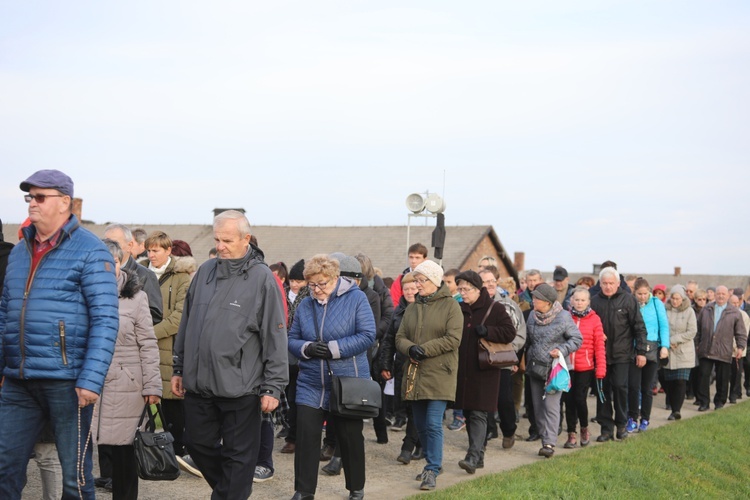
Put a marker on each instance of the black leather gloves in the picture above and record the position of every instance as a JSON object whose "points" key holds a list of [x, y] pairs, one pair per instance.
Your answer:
{"points": [[318, 349], [416, 353], [481, 331]]}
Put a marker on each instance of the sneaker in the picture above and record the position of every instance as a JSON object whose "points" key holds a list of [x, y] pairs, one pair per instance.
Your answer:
{"points": [[429, 480], [262, 473], [398, 425], [632, 425], [644, 426], [187, 463], [421, 474], [571, 442], [457, 424], [283, 433], [585, 436], [546, 451]]}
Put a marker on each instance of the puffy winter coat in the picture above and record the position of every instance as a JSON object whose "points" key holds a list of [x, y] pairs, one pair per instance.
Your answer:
{"points": [[134, 372], [174, 284], [682, 330], [592, 354], [561, 333], [388, 344], [478, 389], [717, 343], [623, 325], [654, 316], [65, 326], [436, 325], [386, 306], [347, 324]]}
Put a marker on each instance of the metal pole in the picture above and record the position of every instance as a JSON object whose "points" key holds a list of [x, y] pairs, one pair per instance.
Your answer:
{"points": [[408, 230]]}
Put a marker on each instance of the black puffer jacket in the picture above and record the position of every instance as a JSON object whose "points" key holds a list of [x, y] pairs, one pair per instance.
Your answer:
{"points": [[623, 325], [386, 306], [388, 342]]}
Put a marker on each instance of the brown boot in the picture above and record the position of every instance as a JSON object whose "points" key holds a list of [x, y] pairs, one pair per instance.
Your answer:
{"points": [[585, 436], [571, 442]]}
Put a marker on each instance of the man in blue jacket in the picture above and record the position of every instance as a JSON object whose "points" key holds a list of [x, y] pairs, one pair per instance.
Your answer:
{"points": [[58, 325]]}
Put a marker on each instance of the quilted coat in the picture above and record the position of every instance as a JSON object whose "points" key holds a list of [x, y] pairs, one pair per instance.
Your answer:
{"points": [[682, 329], [346, 322], [134, 372], [65, 329], [592, 353]]}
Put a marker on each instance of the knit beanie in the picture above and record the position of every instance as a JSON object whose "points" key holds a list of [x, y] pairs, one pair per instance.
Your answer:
{"points": [[430, 270], [297, 272]]}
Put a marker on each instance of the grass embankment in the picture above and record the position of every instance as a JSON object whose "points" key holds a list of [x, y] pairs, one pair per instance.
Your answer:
{"points": [[707, 456]]}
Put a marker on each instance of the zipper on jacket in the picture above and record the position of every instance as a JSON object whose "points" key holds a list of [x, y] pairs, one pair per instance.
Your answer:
{"points": [[169, 300], [61, 328]]}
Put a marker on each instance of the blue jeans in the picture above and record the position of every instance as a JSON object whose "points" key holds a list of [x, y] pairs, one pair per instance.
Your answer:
{"points": [[428, 417], [25, 405]]}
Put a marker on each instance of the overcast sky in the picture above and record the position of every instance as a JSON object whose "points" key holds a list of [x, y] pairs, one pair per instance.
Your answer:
{"points": [[581, 130]]}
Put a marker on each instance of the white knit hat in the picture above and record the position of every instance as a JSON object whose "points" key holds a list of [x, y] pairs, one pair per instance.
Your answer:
{"points": [[430, 270]]}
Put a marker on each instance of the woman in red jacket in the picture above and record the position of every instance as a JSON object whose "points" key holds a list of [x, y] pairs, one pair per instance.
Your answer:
{"points": [[588, 361]]}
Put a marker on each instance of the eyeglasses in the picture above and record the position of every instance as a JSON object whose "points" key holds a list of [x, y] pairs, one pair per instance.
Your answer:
{"points": [[489, 282], [39, 198], [319, 286], [703, 299], [419, 281], [462, 289]]}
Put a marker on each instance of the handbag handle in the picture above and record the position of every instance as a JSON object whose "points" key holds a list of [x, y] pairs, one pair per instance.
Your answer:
{"points": [[151, 422]]}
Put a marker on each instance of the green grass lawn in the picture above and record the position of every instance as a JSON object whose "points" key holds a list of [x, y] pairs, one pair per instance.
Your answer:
{"points": [[707, 456]]}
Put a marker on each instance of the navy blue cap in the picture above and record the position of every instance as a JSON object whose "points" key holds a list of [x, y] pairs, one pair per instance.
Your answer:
{"points": [[50, 179]]}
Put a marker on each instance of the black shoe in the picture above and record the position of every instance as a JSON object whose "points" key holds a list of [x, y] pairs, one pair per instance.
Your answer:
{"points": [[404, 457], [298, 495], [697, 403], [546, 451], [100, 482], [283, 433], [418, 453], [382, 438], [326, 453], [398, 425], [703, 408], [675, 415], [469, 464], [605, 437], [622, 433], [719, 406], [333, 468], [356, 494], [108, 486], [732, 401], [747, 393], [533, 437]]}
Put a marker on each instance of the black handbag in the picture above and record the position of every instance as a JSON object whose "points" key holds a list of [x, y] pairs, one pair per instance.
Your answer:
{"points": [[353, 397], [154, 451], [537, 370]]}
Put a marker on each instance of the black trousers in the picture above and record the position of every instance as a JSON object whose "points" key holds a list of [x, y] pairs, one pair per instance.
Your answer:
{"points": [[506, 409], [291, 396], [265, 452], [640, 388], [614, 411], [105, 460], [723, 371], [411, 436], [529, 402], [350, 441], [735, 379], [174, 413], [576, 405], [675, 390], [223, 438], [124, 473]]}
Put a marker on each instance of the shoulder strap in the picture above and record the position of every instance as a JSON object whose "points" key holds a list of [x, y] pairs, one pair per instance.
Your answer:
{"points": [[487, 314]]}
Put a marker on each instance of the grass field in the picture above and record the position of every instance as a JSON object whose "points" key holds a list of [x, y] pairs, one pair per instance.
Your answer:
{"points": [[704, 457]]}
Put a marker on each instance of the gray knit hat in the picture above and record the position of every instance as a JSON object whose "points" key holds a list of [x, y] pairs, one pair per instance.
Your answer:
{"points": [[545, 292], [349, 266]]}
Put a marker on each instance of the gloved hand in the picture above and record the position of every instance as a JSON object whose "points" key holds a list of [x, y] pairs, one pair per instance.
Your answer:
{"points": [[416, 353], [318, 349], [481, 331]]}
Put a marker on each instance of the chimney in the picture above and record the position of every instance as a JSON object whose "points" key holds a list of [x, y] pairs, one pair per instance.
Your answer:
{"points": [[77, 208], [518, 260], [677, 271]]}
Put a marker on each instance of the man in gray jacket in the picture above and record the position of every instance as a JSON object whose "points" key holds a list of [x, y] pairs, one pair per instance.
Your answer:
{"points": [[230, 358]]}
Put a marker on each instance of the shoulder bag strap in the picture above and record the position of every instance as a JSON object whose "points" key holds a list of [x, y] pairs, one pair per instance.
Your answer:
{"points": [[487, 314]]}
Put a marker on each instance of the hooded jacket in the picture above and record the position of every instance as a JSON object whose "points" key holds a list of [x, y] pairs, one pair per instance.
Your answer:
{"points": [[592, 354], [623, 325], [65, 325], [683, 327], [347, 324], [478, 389], [134, 372], [232, 337], [388, 344], [436, 325], [717, 343], [174, 284], [654, 316]]}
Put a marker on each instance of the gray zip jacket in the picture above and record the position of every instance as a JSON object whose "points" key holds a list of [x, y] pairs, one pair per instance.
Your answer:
{"points": [[232, 340]]}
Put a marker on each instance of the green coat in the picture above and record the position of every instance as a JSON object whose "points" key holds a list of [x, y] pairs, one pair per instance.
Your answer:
{"points": [[174, 285], [436, 326]]}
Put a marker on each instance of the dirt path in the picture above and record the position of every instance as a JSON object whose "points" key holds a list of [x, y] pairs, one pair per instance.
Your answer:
{"points": [[386, 478]]}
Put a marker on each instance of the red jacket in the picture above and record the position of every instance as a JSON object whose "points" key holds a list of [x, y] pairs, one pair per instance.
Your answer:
{"points": [[592, 349]]}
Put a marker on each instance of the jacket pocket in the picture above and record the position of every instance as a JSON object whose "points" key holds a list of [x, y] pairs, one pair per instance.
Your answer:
{"points": [[63, 352]]}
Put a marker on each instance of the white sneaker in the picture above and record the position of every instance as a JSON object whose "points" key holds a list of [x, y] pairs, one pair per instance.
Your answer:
{"points": [[262, 473], [187, 463]]}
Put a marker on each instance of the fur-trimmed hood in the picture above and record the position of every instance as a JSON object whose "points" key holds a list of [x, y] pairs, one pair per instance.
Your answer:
{"points": [[185, 264], [128, 284]]}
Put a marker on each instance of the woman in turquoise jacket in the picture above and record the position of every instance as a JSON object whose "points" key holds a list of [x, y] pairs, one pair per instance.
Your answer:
{"points": [[641, 380]]}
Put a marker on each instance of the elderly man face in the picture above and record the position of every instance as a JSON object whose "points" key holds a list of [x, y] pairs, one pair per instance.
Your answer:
{"points": [[47, 207], [562, 284], [489, 282], [690, 290], [532, 281], [118, 235], [734, 300], [609, 284], [721, 296], [230, 244]]}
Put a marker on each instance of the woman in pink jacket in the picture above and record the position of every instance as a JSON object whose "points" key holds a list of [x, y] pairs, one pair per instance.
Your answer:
{"points": [[588, 362]]}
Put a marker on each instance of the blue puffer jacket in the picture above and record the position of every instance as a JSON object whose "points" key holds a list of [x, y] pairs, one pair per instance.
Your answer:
{"points": [[657, 323], [67, 327], [347, 324]]}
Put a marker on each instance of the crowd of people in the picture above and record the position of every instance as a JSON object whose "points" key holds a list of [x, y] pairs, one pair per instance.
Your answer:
{"points": [[94, 330]]}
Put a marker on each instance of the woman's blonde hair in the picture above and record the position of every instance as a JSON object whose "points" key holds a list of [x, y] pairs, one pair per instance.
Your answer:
{"points": [[321, 264]]}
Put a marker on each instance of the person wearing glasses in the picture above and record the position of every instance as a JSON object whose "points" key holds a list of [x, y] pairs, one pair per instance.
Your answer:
{"points": [[58, 325], [429, 336], [333, 327], [477, 390]]}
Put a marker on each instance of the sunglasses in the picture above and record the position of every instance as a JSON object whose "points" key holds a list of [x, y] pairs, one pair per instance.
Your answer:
{"points": [[39, 198]]}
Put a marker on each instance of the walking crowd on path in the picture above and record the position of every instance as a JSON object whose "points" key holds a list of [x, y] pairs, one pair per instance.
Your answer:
{"points": [[92, 331]]}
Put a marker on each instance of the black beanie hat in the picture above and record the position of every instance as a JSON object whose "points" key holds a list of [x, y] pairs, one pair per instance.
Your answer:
{"points": [[297, 272]]}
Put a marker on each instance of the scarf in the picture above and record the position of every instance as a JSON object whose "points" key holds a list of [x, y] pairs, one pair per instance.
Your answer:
{"points": [[159, 271], [580, 314], [424, 300], [546, 318]]}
